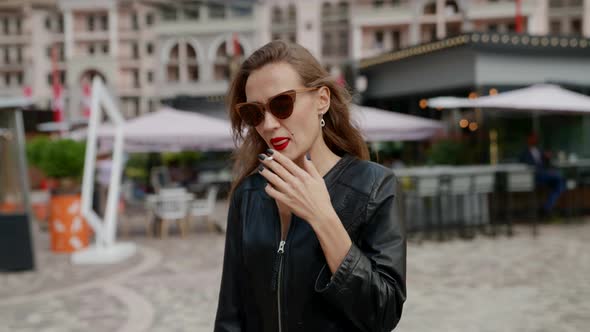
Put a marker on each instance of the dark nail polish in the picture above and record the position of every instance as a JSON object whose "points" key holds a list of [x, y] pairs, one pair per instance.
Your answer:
{"points": [[261, 168], [270, 151], [262, 156]]}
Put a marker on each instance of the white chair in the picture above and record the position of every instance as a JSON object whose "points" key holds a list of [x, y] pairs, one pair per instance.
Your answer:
{"points": [[205, 207], [172, 205]]}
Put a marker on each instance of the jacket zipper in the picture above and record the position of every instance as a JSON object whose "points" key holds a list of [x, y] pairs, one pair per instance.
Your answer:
{"points": [[280, 252]]}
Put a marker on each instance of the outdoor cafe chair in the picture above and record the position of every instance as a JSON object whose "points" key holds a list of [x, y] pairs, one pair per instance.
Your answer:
{"points": [[172, 205], [205, 207]]}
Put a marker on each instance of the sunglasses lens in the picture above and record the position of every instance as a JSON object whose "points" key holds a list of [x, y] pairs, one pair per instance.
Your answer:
{"points": [[281, 106], [251, 114]]}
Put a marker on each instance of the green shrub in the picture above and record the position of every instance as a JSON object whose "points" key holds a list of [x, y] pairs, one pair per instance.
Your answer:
{"points": [[449, 152], [63, 158], [35, 148]]}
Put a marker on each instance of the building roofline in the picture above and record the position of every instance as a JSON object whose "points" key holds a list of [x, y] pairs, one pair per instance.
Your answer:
{"points": [[483, 40]]}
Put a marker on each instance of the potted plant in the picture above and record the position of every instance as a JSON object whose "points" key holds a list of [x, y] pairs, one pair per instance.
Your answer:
{"points": [[63, 161]]}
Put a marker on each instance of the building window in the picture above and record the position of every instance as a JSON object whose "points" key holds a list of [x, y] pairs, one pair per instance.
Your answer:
{"points": [[149, 19], [292, 37], [173, 73], [48, 23], [277, 15], [19, 55], [105, 48], [193, 73], [150, 76], [555, 27], [19, 78], [378, 3], [149, 48], [104, 22], [216, 11], [378, 39], [396, 39], [343, 45], [18, 26], [192, 12], [150, 105], [169, 14], [135, 51], [292, 13], [91, 49], [134, 22], [327, 44], [90, 22], [7, 55], [136, 78], [60, 24], [577, 26], [6, 26], [7, 79]]}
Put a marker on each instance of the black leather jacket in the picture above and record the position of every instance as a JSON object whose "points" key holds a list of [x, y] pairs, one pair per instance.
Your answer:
{"points": [[264, 288]]}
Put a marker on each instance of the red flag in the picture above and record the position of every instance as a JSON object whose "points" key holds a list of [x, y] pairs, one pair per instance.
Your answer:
{"points": [[236, 45], [86, 95], [57, 88], [518, 18]]}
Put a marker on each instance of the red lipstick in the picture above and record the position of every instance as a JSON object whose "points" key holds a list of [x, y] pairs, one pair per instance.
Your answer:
{"points": [[280, 143]]}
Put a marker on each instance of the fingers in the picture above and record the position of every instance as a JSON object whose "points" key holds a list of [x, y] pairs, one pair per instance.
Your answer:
{"points": [[276, 167], [273, 178], [310, 168], [287, 164]]}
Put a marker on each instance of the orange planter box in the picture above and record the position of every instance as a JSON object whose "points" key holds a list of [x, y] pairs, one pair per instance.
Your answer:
{"points": [[69, 231]]}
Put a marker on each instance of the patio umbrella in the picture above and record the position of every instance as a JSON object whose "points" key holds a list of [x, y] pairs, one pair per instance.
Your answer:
{"points": [[537, 98], [381, 125]]}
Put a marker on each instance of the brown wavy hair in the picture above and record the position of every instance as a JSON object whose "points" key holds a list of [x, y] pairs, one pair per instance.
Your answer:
{"points": [[340, 135]]}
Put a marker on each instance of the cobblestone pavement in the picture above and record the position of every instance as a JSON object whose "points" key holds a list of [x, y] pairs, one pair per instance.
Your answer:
{"points": [[486, 284]]}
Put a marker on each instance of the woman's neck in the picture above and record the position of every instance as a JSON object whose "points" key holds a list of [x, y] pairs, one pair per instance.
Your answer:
{"points": [[322, 157]]}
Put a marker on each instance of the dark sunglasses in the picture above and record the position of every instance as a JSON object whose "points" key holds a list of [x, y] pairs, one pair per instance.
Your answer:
{"points": [[280, 106]]}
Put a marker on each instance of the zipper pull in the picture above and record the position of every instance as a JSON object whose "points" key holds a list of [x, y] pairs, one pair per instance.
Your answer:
{"points": [[281, 247]]}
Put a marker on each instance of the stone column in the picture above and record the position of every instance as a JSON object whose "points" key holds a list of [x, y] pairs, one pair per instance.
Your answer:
{"points": [[113, 32], [441, 24], [68, 33]]}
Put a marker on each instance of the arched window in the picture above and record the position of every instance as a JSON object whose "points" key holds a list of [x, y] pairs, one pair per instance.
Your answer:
{"points": [[192, 63], [430, 8], [224, 59], [173, 65], [451, 7]]}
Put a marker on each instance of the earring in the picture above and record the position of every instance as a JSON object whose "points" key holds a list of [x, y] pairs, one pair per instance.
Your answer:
{"points": [[322, 122]]}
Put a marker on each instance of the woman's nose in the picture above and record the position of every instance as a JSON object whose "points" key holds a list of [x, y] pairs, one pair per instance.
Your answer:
{"points": [[270, 121]]}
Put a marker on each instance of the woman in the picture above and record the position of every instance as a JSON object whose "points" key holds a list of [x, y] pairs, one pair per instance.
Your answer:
{"points": [[313, 240]]}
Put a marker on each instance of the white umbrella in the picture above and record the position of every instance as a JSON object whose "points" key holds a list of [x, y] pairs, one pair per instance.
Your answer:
{"points": [[535, 98], [172, 130], [381, 125]]}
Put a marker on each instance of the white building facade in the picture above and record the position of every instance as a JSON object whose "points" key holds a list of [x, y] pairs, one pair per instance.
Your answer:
{"points": [[157, 50]]}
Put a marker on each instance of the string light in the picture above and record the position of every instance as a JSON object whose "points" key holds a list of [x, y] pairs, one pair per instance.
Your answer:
{"points": [[493, 92], [423, 103], [463, 123], [473, 126], [473, 95]]}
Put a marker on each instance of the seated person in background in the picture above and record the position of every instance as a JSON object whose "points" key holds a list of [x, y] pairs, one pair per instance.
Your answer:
{"points": [[544, 175]]}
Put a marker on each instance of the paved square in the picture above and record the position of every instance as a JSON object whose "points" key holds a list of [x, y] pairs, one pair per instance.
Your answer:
{"points": [[486, 284]]}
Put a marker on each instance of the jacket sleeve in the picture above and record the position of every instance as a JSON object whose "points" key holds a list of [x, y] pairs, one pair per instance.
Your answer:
{"points": [[369, 285], [229, 316]]}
